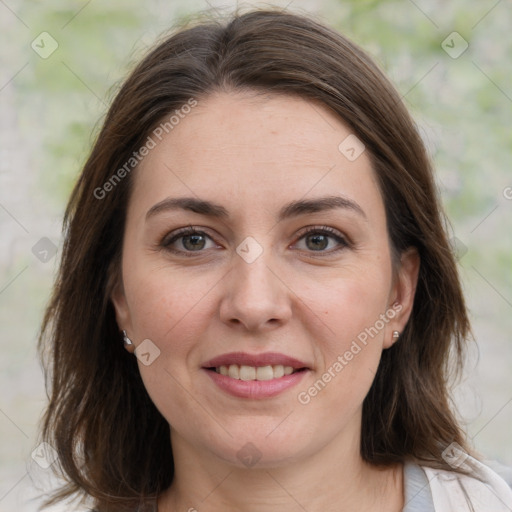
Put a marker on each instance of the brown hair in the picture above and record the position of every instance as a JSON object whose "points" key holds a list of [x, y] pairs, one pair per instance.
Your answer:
{"points": [[113, 444]]}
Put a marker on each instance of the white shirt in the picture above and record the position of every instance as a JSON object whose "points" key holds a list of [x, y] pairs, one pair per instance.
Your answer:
{"points": [[436, 490]]}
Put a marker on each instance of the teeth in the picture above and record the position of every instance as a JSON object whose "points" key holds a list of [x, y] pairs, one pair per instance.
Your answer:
{"points": [[264, 373], [234, 371], [247, 372], [279, 371], [244, 372]]}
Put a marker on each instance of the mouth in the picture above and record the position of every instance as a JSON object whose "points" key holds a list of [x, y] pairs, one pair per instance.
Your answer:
{"points": [[255, 375], [244, 366], [244, 372]]}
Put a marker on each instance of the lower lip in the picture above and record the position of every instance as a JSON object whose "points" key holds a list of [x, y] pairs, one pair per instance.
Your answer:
{"points": [[256, 389]]}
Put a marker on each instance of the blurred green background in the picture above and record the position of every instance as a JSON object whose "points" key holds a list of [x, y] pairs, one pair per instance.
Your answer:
{"points": [[51, 109]]}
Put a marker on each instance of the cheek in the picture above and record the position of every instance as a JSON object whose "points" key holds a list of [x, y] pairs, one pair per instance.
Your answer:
{"points": [[348, 305], [348, 346], [165, 303], [348, 341], [173, 310]]}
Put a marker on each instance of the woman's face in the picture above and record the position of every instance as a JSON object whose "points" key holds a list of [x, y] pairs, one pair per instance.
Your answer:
{"points": [[289, 270]]}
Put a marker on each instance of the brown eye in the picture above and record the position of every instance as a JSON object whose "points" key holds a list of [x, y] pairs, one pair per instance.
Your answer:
{"points": [[324, 240], [193, 242], [317, 242], [187, 241]]}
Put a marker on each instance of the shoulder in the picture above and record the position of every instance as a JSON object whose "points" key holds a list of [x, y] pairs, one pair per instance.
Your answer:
{"points": [[480, 490]]}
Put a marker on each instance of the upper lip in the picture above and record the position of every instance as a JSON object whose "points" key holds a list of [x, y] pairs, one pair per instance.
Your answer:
{"points": [[265, 359]]}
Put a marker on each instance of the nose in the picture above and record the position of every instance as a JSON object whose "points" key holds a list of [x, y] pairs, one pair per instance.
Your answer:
{"points": [[255, 297]]}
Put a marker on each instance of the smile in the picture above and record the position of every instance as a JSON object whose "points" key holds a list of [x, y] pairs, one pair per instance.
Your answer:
{"points": [[243, 372], [255, 376]]}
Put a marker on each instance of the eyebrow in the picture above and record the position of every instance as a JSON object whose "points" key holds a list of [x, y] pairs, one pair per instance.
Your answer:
{"points": [[293, 209]]}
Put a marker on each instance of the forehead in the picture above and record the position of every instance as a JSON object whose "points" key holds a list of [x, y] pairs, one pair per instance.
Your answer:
{"points": [[255, 150]]}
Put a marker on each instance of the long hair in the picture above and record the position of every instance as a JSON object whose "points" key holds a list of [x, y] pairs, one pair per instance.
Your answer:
{"points": [[113, 444]]}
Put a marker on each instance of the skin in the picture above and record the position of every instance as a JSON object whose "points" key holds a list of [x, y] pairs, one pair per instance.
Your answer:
{"points": [[252, 155]]}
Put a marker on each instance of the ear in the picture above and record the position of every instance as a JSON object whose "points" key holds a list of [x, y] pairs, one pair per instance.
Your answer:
{"points": [[402, 294], [118, 299]]}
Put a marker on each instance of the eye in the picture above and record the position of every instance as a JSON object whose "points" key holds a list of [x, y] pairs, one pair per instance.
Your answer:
{"points": [[188, 240], [321, 239]]}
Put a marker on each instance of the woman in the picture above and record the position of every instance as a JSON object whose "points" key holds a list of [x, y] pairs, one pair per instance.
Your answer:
{"points": [[257, 299]]}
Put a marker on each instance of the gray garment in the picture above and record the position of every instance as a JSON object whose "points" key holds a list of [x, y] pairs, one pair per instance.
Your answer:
{"points": [[418, 497]]}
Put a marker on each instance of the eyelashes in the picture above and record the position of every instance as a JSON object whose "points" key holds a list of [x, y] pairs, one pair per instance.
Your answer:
{"points": [[191, 241], [193, 236], [322, 234]]}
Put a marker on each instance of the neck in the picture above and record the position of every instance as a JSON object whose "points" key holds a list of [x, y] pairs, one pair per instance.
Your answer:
{"points": [[333, 478]]}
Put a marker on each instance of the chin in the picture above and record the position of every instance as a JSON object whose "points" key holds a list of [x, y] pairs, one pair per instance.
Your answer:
{"points": [[263, 444]]}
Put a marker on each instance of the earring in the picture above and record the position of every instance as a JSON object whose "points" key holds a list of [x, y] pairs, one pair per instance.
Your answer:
{"points": [[128, 343], [396, 335]]}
